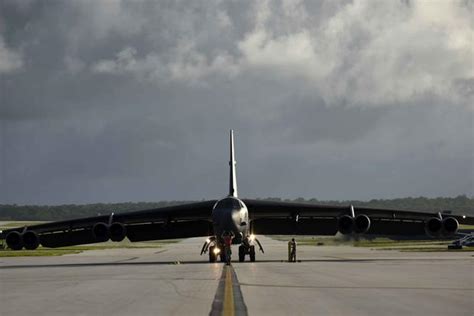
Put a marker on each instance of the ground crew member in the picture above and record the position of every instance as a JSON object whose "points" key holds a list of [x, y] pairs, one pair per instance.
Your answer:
{"points": [[227, 245], [292, 245]]}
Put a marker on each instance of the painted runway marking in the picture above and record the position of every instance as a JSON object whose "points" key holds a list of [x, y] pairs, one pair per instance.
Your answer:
{"points": [[228, 300], [228, 294]]}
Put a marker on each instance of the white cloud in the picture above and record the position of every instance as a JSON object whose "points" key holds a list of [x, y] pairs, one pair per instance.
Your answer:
{"points": [[365, 54], [371, 54], [223, 20], [184, 64], [105, 17], [10, 60]]}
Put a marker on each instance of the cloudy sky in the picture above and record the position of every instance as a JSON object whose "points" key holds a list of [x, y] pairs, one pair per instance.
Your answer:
{"points": [[110, 101]]}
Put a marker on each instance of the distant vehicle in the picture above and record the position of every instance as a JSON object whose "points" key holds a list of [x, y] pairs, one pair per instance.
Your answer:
{"points": [[466, 241], [243, 217]]}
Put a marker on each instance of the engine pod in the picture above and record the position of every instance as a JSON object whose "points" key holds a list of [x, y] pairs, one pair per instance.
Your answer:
{"points": [[100, 231], [361, 224], [345, 224], [450, 226], [433, 227], [30, 240], [14, 240], [118, 231]]}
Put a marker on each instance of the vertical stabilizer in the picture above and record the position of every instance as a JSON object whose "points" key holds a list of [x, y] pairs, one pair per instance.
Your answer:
{"points": [[232, 175]]}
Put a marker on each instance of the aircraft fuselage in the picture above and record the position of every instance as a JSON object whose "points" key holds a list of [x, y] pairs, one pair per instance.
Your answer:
{"points": [[231, 215]]}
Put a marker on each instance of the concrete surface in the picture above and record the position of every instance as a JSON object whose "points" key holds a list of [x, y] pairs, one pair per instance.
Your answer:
{"points": [[329, 281]]}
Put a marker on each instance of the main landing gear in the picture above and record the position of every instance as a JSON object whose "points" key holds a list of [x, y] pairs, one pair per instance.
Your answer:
{"points": [[248, 248], [213, 253], [210, 246]]}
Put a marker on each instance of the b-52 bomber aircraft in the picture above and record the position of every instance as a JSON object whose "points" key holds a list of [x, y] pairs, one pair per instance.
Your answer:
{"points": [[245, 218]]}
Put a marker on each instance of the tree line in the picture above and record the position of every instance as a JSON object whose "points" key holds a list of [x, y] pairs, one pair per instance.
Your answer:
{"points": [[12, 212]]}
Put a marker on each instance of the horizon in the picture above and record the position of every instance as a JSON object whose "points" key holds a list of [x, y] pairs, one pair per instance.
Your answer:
{"points": [[256, 198]]}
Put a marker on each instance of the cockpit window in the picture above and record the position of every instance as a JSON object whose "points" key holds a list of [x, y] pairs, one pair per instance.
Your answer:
{"points": [[228, 203]]}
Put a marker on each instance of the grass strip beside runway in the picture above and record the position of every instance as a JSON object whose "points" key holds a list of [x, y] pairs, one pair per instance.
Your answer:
{"points": [[43, 251]]}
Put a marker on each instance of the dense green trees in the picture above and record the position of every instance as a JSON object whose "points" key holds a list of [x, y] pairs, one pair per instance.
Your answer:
{"points": [[460, 204]]}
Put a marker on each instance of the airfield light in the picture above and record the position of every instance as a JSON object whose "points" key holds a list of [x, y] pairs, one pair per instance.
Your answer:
{"points": [[252, 237], [217, 251]]}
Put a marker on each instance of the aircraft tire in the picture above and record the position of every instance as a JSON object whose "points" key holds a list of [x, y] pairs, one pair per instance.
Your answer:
{"points": [[241, 253], [212, 255], [252, 253]]}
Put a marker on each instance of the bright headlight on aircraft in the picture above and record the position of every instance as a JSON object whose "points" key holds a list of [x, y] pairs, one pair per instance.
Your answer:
{"points": [[217, 251], [464, 216], [207, 241], [252, 237]]}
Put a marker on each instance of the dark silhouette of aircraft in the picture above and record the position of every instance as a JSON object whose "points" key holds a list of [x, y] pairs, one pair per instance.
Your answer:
{"points": [[244, 218]]}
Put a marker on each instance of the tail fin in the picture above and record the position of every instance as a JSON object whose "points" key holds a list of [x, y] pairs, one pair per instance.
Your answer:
{"points": [[232, 176]]}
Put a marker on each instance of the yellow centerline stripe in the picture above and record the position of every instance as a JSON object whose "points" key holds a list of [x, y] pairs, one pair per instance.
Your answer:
{"points": [[229, 309]]}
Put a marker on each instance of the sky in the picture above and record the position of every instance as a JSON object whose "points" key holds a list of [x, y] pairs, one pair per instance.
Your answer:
{"points": [[113, 101]]}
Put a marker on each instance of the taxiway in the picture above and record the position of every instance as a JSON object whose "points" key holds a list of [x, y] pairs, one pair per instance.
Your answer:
{"points": [[175, 280]]}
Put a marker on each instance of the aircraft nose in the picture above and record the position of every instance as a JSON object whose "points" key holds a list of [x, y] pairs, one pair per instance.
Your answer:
{"points": [[224, 218]]}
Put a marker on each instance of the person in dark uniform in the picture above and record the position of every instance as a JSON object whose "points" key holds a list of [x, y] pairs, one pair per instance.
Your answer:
{"points": [[292, 250], [227, 237]]}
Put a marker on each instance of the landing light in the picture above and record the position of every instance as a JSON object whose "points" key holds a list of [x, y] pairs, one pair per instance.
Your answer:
{"points": [[207, 241], [464, 216], [252, 237], [217, 251]]}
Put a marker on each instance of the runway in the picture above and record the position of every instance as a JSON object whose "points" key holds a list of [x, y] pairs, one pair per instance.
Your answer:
{"points": [[175, 280]]}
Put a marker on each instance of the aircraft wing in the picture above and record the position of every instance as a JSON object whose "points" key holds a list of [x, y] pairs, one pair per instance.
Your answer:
{"points": [[180, 221], [288, 218]]}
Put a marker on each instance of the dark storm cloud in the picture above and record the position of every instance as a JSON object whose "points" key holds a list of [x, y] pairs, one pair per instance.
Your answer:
{"points": [[132, 100]]}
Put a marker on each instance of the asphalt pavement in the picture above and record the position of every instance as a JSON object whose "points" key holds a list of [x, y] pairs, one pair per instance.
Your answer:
{"points": [[176, 280]]}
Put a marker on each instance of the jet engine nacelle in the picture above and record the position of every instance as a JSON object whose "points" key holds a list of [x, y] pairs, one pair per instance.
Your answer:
{"points": [[14, 240], [28, 239], [450, 226], [361, 224], [117, 231], [103, 232], [100, 231], [435, 227], [347, 224]]}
